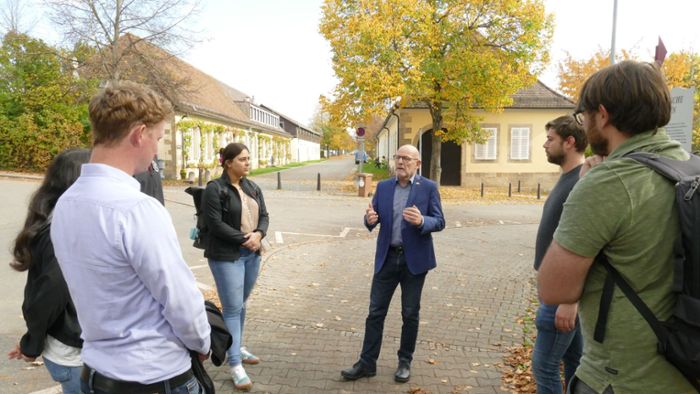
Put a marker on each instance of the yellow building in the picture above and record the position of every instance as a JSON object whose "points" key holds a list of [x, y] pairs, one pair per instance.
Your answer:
{"points": [[512, 153]]}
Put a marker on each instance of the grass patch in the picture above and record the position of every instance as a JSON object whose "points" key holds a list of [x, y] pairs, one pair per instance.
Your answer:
{"points": [[377, 173]]}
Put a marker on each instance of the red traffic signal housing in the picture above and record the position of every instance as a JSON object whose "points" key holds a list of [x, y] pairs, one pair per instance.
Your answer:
{"points": [[360, 132]]}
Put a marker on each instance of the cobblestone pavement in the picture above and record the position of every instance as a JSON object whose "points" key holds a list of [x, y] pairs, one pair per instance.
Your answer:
{"points": [[306, 316]]}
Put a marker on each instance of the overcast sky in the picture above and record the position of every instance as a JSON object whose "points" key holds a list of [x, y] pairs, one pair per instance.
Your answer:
{"points": [[271, 49]]}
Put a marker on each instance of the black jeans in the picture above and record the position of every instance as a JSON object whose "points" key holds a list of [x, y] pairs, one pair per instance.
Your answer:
{"points": [[384, 282]]}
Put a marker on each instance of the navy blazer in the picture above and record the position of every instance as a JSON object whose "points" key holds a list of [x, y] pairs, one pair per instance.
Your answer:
{"points": [[417, 242]]}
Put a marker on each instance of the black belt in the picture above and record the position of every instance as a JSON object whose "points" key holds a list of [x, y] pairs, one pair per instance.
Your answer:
{"points": [[109, 385], [396, 249]]}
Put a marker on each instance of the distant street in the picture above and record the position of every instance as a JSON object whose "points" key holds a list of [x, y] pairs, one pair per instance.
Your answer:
{"points": [[332, 171]]}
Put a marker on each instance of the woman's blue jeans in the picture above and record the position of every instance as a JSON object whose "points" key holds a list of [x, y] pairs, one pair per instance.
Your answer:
{"points": [[234, 282], [68, 377], [551, 348]]}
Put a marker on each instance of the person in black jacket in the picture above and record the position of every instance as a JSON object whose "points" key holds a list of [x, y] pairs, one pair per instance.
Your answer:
{"points": [[235, 215], [52, 323], [150, 181]]}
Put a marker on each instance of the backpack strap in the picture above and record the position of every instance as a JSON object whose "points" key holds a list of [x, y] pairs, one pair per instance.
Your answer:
{"points": [[674, 170], [604, 308], [632, 296]]}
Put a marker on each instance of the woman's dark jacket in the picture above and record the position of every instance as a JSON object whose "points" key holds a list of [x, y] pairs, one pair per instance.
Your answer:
{"points": [[47, 306], [221, 207]]}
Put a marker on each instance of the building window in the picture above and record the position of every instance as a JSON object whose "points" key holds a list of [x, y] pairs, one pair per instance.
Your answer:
{"points": [[487, 150], [520, 143]]}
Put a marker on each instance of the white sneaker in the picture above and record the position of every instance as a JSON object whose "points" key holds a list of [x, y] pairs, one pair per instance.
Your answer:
{"points": [[241, 381], [248, 357]]}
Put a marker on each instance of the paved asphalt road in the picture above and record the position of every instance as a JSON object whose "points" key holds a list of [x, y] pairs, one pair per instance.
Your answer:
{"points": [[320, 256]]}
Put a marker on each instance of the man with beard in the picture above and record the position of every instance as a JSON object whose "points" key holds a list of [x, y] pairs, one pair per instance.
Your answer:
{"points": [[626, 211], [558, 333], [408, 210]]}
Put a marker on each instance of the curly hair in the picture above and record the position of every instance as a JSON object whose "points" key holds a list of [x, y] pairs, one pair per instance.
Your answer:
{"points": [[123, 105]]}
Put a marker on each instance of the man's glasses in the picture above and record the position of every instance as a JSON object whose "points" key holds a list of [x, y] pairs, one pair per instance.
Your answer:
{"points": [[578, 116], [405, 159]]}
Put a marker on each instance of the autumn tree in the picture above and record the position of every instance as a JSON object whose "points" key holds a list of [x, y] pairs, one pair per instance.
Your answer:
{"points": [[42, 106], [334, 137], [118, 30], [574, 72], [452, 56]]}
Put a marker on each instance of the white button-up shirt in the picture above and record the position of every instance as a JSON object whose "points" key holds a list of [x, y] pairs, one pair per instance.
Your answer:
{"points": [[137, 301]]}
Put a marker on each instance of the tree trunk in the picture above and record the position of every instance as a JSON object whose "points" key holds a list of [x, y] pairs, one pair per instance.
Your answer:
{"points": [[435, 168]]}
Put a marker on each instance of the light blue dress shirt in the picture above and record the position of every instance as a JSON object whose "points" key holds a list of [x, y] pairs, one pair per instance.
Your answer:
{"points": [[137, 301], [401, 194]]}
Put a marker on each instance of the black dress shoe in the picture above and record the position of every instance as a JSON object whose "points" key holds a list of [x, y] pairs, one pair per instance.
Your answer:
{"points": [[359, 370], [403, 372]]}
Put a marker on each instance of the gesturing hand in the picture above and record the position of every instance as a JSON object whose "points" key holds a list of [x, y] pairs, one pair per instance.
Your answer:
{"points": [[413, 215], [371, 215]]}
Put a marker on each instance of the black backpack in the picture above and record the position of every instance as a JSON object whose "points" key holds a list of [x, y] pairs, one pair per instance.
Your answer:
{"points": [[200, 233], [679, 336]]}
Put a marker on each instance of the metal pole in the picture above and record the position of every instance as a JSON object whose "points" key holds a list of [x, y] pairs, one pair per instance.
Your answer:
{"points": [[279, 180], [538, 191], [614, 30], [318, 181], [482, 189], [518, 186], [362, 155], [510, 187]]}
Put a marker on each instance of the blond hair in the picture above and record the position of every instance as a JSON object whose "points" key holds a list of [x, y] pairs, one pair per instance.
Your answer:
{"points": [[122, 105]]}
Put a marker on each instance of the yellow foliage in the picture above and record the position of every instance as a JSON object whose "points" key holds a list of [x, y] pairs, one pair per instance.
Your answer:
{"points": [[450, 55], [574, 72], [681, 69]]}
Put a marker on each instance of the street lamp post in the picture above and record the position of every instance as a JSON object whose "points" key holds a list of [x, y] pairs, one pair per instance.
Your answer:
{"points": [[614, 30]]}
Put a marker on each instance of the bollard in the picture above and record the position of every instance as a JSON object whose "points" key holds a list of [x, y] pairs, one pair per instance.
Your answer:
{"points": [[510, 187], [279, 181], [538, 191], [318, 182], [518, 186], [482, 189]]}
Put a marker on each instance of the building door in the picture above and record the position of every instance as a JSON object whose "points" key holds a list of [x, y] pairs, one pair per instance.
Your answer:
{"points": [[450, 160]]}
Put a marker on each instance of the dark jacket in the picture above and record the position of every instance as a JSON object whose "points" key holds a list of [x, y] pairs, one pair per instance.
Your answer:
{"points": [[220, 341], [417, 241], [151, 183], [47, 306], [222, 217]]}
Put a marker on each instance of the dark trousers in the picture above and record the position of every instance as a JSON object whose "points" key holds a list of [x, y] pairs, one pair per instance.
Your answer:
{"points": [[384, 282]]}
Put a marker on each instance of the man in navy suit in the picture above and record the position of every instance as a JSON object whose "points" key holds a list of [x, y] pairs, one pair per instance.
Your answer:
{"points": [[408, 210]]}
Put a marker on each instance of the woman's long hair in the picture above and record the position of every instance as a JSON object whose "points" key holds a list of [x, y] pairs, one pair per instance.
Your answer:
{"points": [[63, 171]]}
